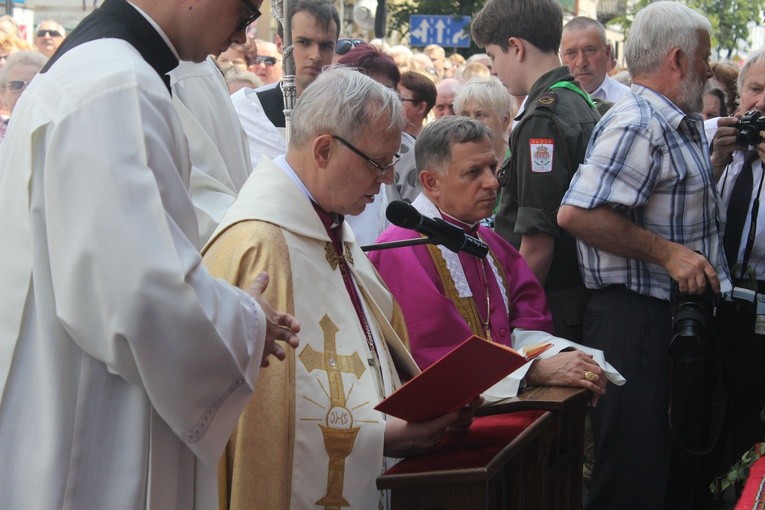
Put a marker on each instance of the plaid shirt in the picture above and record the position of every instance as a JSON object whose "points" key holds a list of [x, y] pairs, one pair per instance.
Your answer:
{"points": [[649, 161]]}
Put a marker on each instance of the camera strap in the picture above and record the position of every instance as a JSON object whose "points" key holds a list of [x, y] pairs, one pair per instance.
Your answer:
{"points": [[697, 401], [752, 226]]}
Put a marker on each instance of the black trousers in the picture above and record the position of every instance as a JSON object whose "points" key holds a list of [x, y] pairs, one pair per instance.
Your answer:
{"points": [[637, 463], [567, 306], [744, 377]]}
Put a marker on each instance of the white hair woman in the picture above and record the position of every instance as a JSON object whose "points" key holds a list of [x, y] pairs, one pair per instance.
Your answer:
{"points": [[488, 101], [15, 75]]}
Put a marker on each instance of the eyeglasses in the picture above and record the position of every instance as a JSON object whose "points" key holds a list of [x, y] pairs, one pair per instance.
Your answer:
{"points": [[252, 13], [53, 33], [16, 85], [380, 168], [343, 46], [269, 61]]}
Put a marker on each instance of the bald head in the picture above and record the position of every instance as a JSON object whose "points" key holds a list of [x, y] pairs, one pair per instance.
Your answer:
{"points": [[446, 90]]}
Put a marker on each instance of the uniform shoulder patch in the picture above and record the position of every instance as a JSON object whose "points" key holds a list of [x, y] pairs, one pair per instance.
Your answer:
{"points": [[548, 99], [542, 150]]}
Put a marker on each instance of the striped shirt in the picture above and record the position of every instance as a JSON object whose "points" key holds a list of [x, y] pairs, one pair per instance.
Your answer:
{"points": [[648, 160]]}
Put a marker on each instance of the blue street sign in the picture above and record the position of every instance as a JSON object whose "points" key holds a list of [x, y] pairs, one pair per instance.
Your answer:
{"points": [[446, 31]]}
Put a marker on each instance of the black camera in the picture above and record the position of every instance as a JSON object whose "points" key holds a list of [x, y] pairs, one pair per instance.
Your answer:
{"points": [[749, 128], [691, 324]]}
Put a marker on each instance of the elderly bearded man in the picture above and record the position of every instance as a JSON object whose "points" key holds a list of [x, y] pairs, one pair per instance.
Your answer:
{"points": [[644, 208], [311, 435]]}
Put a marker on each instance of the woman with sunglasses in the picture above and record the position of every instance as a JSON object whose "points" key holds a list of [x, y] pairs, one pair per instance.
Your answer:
{"points": [[343, 46], [15, 75]]}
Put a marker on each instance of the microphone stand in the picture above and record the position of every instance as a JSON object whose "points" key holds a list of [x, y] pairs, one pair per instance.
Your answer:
{"points": [[399, 244]]}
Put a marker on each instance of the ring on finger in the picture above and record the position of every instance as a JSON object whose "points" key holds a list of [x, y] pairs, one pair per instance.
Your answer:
{"points": [[590, 376]]}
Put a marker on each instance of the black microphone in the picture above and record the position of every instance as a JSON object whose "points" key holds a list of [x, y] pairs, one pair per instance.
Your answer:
{"points": [[404, 215]]}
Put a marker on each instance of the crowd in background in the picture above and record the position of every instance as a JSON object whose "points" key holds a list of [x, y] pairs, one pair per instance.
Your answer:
{"points": [[258, 62]]}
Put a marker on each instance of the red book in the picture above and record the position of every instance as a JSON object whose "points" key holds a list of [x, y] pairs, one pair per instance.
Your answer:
{"points": [[455, 380]]}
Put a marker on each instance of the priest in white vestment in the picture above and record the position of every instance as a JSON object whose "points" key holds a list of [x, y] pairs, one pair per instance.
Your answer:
{"points": [[220, 158], [124, 365], [310, 437]]}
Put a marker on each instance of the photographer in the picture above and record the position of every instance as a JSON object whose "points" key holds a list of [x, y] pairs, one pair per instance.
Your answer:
{"points": [[644, 211], [740, 171]]}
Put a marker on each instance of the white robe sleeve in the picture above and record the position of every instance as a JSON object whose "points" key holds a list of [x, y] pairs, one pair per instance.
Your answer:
{"points": [[219, 154], [509, 386], [128, 282]]}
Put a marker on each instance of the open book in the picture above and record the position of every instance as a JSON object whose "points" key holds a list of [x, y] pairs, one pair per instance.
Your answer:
{"points": [[456, 379]]}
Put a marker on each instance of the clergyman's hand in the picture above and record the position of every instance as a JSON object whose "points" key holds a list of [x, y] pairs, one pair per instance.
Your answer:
{"points": [[404, 439], [569, 368], [279, 325]]}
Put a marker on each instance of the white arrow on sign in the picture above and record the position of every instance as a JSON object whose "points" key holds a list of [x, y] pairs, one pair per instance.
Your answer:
{"points": [[459, 36], [422, 31], [440, 26]]}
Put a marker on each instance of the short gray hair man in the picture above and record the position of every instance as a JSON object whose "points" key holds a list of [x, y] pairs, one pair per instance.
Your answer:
{"points": [[362, 102], [433, 150]]}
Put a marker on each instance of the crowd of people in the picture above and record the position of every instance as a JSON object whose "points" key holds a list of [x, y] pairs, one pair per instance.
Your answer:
{"points": [[190, 320]]}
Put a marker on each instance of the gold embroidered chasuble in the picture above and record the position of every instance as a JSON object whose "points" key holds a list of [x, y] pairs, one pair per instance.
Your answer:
{"points": [[309, 437]]}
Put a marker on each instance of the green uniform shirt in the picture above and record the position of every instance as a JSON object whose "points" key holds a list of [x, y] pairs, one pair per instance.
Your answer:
{"points": [[547, 146]]}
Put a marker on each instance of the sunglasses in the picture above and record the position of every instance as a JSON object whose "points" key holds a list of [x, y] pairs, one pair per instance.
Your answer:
{"points": [[343, 46], [52, 33], [251, 14], [16, 85], [269, 61]]}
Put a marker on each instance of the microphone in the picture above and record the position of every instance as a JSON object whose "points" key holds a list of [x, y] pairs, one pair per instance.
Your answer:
{"points": [[404, 215]]}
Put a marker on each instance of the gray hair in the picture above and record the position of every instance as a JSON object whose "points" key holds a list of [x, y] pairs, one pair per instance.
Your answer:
{"points": [[236, 75], [399, 49], [585, 23], [58, 25], [476, 57], [657, 29], [448, 86], [433, 149], [26, 58], [343, 102], [753, 59], [487, 92]]}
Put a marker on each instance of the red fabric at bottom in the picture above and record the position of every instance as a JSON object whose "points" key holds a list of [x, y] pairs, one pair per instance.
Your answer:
{"points": [[486, 437], [753, 497]]}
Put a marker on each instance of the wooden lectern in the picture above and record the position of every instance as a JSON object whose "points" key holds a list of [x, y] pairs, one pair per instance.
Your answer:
{"points": [[524, 454]]}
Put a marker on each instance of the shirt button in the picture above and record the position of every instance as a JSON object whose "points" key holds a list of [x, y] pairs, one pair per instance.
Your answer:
{"points": [[493, 307], [502, 332]]}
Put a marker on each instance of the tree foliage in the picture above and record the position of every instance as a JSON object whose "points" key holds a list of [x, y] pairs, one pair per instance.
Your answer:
{"points": [[730, 21]]}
